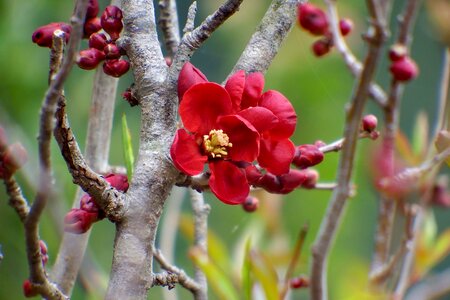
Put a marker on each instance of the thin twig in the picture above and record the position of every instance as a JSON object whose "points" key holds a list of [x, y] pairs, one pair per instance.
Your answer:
{"points": [[266, 41], [443, 121], [353, 64], [168, 21], [337, 145], [332, 219], [386, 213], [180, 276], [16, 198], [200, 211], [37, 273], [192, 40]]}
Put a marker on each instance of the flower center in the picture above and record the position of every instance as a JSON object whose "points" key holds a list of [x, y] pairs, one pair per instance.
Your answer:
{"points": [[216, 143]]}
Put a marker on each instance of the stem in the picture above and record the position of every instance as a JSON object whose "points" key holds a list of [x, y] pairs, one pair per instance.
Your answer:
{"points": [[336, 208], [168, 21], [201, 211]]}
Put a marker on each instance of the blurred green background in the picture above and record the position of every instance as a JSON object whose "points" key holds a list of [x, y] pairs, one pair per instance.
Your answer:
{"points": [[318, 88]]}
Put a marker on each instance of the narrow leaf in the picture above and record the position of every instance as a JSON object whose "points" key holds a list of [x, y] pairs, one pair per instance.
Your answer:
{"points": [[127, 147], [247, 282], [265, 273]]}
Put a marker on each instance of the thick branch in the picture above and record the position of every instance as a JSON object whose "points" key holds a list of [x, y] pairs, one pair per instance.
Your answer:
{"points": [[110, 200], [338, 200]]}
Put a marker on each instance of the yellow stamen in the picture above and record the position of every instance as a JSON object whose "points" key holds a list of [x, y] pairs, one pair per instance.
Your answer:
{"points": [[216, 143]]}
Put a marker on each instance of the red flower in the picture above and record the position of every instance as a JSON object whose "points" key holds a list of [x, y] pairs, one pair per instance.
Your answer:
{"points": [[224, 126]]}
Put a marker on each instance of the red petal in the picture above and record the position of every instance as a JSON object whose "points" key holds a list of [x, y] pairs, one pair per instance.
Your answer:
{"points": [[228, 182], [254, 85], [243, 136], [276, 156], [202, 104], [185, 153], [261, 118], [189, 75], [283, 109], [235, 87]]}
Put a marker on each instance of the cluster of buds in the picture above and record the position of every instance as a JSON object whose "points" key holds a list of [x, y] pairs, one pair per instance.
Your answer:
{"points": [[402, 68], [12, 157], [281, 184], [79, 220], [103, 47], [314, 20]]}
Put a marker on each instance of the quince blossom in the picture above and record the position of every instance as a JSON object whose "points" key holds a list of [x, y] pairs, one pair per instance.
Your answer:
{"points": [[230, 127]]}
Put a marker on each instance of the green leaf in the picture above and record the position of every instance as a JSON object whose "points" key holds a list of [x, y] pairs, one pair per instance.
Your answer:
{"points": [[217, 279], [127, 148], [265, 273], [247, 281]]}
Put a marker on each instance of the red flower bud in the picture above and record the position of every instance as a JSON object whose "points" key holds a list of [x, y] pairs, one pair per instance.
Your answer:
{"points": [[112, 51], [321, 47], [116, 67], [98, 41], [312, 176], [90, 58], [129, 97], [397, 52], [307, 156], [92, 9], [270, 183], [404, 69], [111, 21], [250, 204], [14, 157], [299, 282], [168, 60], [292, 180], [3, 139], [118, 181], [369, 123], [319, 143], [43, 36], [312, 19], [253, 174], [79, 221], [345, 26], [88, 204], [91, 26], [28, 290], [441, 196]]}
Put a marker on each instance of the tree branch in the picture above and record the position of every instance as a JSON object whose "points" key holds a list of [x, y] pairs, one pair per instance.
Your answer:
{"points": [[270, 33], [168, 21], [375, 38], [16, 198]]}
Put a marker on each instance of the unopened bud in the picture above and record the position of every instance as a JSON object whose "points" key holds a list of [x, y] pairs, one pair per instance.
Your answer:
{"points": [[299, 282], [345, 26], [253, 174], [111, 21], [118, 181], [307, 156], [291, 180], [116, 67], [43, 36], [312, 176], [91, 26], [250, 204], [441, 196], [270, 183], [312, 19], [14, 157], [112, 51], [28, 290], [404, 69], [79, 221], [90, 58], [321, 47], [129, 97], [369, 123], [44, 252], [98, 41], [92, 9], [88, 204]]}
